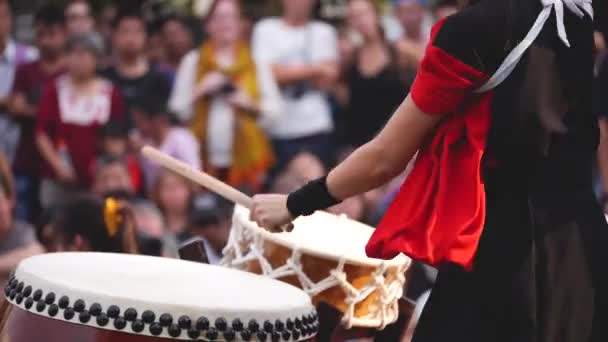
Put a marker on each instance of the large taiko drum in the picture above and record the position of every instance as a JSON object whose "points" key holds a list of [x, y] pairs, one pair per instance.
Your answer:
{"points": [[95, 297], [325, 256]]}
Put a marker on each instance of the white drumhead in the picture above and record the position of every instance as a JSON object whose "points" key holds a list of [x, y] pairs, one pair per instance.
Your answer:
{"points": [[326, 235], [160, 286]]}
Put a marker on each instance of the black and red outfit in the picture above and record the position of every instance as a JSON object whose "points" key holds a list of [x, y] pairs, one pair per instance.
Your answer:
{"points": [[501, 199]]}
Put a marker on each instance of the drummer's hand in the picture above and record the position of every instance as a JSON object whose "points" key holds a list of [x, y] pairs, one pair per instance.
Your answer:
{"points": [[270, 212]]}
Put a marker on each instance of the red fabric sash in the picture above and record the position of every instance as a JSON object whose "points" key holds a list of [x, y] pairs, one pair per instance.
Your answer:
{"points": [[439, 213]]}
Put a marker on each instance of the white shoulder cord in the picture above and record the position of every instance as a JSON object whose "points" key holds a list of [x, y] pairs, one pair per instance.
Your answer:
{"points": [[506, 68]]}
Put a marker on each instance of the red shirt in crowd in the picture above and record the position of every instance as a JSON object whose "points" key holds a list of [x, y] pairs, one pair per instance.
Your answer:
{"points": [[30, 80], [74, 120]]}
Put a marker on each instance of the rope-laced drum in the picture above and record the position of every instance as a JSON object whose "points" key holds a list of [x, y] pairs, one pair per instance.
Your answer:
{"points": [[94, 297], [325, 256]]}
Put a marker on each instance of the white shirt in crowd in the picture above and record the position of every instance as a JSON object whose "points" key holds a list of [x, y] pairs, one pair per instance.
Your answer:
{"points": [[394, 31], [275, 42], [221, 119]]}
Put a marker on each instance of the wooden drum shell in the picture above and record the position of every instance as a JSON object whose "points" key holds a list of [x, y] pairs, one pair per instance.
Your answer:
{"points": [[317, 269]]}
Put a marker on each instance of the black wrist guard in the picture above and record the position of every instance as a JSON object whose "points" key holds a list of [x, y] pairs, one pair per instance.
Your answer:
{"points": [[310, 198]]}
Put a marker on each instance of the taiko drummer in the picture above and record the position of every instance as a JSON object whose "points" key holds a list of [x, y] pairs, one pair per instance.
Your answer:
{"points": [[500, 198]]}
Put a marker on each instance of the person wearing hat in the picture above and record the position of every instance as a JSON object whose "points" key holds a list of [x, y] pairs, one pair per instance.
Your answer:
{"points": [[500, 198], [210, 222], [72, 110]]}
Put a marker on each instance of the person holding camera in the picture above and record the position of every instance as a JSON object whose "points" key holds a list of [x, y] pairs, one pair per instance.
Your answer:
{"points": [[216, 92], [303, 56]]}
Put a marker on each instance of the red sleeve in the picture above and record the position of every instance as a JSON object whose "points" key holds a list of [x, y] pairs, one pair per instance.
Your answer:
{"points": [[48, 111], [439, 214], [443, 82], [117, 109]]}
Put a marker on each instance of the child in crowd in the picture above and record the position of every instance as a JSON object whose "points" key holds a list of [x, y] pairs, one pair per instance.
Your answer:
{"points": [[173, 195], [88, 223], [112, 176], [154, 127], [114, 140]]}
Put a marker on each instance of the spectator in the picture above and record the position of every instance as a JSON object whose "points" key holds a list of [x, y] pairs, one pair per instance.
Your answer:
{"points": [[303, 54], [105, 21], [286, 183], [374, 83], [155, 52], [30, 79], [111, 176], [5, 169], [79, 18], [211, 221], [301, 169], [177, 41], [17, 240], [173, 196], [11, 55], [131, 71], [115, 143], [601, 27], [88, 223], [72, 110], [151, 232], [445, 8], [599, 42], [114, 139], [216, 91], [154, 128], [306, 166], [353, 208], [600, 104], [416, 23]]}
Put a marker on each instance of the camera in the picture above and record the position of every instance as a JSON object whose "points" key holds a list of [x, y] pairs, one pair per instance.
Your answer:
{"points": [[297, 90], [227, 88]]}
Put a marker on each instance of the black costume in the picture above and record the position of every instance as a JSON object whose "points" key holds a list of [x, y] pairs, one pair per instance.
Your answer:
{"points": [[538, 271]]}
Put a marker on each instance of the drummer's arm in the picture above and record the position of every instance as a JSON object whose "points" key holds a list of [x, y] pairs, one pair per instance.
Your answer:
{"points": [[386, 156]]}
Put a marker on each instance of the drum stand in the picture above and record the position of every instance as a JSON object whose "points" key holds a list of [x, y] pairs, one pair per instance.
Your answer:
{"points": [[330, 328]]}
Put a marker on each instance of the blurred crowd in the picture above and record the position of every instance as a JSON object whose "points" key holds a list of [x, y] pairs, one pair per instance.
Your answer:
{"points": [[264, 104]]}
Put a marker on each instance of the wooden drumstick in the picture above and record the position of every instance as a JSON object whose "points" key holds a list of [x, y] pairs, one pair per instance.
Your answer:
{"points": [[197, 176], [202, 179]]}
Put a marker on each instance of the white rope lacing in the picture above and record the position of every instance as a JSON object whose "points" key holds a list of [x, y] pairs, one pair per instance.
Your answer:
{"points": [[245, 246], [578, 7]]}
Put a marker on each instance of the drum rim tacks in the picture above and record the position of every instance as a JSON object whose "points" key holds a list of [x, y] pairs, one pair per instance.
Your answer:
{"points": [[28, 292]]}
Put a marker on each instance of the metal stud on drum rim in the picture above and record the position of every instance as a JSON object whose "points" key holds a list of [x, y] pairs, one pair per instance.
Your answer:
{"points": [[114, 295]]}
